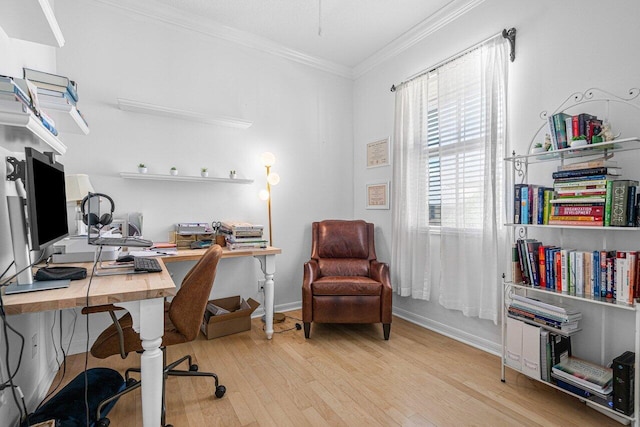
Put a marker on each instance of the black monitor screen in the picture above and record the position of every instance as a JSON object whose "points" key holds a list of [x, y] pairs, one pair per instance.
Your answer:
{"points": [[46, 199]]}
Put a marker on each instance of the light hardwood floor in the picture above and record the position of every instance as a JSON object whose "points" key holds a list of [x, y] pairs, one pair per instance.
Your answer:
{"points": [[347, 375]]}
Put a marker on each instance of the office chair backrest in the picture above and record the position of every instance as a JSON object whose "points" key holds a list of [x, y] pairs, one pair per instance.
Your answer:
{"points": [[187, 307]]}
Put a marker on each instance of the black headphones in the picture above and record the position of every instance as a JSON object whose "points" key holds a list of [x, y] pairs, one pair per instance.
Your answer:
{"points": [[92, 219]]}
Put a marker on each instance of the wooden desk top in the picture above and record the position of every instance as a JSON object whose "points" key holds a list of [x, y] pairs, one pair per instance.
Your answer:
{"points": [[104, 290], [114, 289]]}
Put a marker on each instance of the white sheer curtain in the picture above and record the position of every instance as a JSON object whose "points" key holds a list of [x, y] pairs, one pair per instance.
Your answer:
{"points": [[457, 117], [410, 237]]}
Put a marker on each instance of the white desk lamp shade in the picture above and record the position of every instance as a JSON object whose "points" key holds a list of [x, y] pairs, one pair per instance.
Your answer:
{"points": [[77, 187]]}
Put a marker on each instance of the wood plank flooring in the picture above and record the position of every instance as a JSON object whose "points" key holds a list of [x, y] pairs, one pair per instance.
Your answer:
{"points": [[347, 375]]}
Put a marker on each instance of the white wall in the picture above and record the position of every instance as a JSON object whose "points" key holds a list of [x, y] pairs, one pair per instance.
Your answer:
{"points": [[561, 48], [300, 114]]}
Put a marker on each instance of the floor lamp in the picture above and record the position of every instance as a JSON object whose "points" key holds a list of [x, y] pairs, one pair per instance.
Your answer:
{"points": [[77, 187], [268, 159]]}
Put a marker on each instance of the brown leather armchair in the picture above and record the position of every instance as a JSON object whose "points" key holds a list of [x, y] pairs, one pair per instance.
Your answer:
{"points": [[343, 282]]}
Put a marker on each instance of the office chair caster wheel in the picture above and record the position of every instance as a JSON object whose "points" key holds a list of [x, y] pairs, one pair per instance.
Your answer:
{"points": [[220, 391], [193, 368], [103, 422]]}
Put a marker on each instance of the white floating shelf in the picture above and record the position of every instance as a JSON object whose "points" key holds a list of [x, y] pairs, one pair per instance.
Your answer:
{"points": [[31, 20], [160, 177], [159, 110], [66, 117], [24, 129]]}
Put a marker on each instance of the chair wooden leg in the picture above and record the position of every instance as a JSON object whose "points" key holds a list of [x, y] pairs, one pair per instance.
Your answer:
{"points": [[386, 328], [307, 329]]}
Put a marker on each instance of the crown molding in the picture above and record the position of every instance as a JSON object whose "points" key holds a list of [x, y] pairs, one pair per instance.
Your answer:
{"points": [[447, 14], [175, 17]]}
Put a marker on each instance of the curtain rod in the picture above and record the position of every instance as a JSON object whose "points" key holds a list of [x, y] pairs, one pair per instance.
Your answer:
{"points": [[510, 35]]}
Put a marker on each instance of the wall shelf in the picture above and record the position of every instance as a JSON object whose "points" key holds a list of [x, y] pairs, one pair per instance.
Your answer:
{"points": [[160, 177], [159, 110], [66, 116], [31, 20], [24, 129]]}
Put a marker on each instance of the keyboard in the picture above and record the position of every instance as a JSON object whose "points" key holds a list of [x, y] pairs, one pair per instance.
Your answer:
{"points": [[150, 265], [121, 241]]}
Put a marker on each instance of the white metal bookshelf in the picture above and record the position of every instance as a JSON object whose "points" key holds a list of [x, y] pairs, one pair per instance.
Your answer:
{"points": [[519, 166]]}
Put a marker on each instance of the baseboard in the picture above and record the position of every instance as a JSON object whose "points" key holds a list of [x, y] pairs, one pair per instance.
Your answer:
{"points": [[453, 333], [279, 308]]}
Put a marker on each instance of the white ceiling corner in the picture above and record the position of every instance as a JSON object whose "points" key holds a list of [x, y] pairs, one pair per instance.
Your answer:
{"points": [[357, 35]]}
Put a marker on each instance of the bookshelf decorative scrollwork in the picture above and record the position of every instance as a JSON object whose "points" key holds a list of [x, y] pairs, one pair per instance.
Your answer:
{"points": [[588, 96]]}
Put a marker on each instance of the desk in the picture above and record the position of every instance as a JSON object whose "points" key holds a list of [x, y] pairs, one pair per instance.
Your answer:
{"points": [[143, 296], [267, 258]]}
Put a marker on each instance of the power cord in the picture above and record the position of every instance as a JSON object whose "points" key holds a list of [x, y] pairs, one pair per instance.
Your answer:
{"points": [[9, 382], [297, 326]]}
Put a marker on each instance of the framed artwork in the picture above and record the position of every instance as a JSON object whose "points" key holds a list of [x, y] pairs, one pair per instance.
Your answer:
{"points": [[378, 153], [378, 195]]}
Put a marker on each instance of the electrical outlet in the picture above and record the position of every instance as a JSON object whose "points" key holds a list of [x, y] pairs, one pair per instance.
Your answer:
{"points": [[261, 285], [34, 345]]}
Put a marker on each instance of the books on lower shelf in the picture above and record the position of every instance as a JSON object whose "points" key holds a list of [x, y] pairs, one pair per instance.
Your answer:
{"points": [[585, 374], [555, 317]]}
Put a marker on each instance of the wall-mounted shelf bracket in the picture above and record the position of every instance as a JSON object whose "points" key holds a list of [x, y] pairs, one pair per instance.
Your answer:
{"points": [[18, 167]]}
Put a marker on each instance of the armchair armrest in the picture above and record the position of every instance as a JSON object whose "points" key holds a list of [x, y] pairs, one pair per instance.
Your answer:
{"points": [[311, 273], [380, 273]]}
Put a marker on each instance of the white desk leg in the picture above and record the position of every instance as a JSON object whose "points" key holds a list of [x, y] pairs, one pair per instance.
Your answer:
{"points": [[148, 321], [268, 265]]}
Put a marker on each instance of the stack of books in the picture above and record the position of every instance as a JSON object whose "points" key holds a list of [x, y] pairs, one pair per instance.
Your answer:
{"points": [[585, 379], [242, 235], [19, 96], [552, 316], [565, 128], [55, 92], [581, 191]]}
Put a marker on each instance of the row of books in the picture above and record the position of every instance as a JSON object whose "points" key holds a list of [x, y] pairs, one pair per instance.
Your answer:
{"points": [[564, 127], [552, 316], [600, 273], [20, 96], [584, 197]]}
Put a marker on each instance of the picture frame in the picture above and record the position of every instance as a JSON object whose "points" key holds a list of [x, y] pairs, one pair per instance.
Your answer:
{"points": [[377, 194], [378, 153]]}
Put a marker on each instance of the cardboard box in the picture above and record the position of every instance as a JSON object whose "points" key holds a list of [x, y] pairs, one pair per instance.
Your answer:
{"points": [[237, 320]]}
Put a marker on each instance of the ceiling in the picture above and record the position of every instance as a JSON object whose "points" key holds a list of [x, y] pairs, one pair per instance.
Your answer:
{"points": [[342, 34]]}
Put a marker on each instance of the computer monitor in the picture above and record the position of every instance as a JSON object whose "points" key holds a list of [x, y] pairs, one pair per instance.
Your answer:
{"points": [[46, 199], [46, 217]]}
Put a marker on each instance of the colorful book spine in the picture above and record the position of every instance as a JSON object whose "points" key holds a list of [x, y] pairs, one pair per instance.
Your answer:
{"points": [[578, 210], [607, 204], [595, 273], [586, 172], [517, 203], [524, 202]]}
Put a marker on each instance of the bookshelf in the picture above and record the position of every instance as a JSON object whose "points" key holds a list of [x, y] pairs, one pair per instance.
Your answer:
{"points": [[520, 165], [24, 129], [182, 178], [66, 117], [159, 110]]}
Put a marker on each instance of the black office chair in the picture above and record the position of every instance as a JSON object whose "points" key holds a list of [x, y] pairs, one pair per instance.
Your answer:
{"points": [[183, 316]]}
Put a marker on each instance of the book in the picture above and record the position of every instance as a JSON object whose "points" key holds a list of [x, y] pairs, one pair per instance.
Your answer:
{"points": [[517, 202], [593, 127], [569, 128], [524, 205], [583, 392], [590, 375], [545, 355], [607, 204], [578, 210], [516, 270], [615, 171], [552, 133], [631, 205], [52, 82], [594, 223], [584, 218], [580, 200], [589, 164], [560, 348], [560, 309], [546, 210], [560, 129]]}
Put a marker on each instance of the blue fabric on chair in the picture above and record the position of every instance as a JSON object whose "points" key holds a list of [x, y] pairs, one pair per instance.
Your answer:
{"points": [[67, 406]]}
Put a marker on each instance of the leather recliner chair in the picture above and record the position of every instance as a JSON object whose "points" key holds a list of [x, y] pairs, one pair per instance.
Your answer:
{"points": [[343, 281]]}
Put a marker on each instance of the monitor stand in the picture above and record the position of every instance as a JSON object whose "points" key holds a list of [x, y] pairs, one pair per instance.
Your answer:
{"points": [[37, 285]]}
